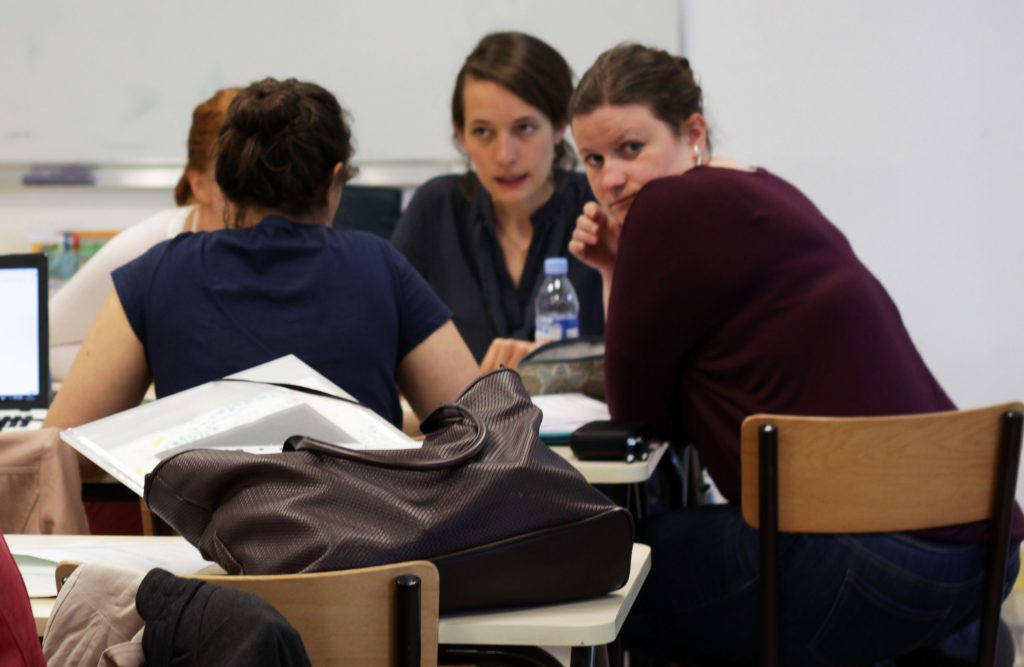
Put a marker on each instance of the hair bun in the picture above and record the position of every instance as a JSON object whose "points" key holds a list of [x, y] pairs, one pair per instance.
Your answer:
{"points": [[267, 111], [279, 147]]}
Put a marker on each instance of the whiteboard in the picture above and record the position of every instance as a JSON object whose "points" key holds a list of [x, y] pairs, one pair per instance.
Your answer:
{"points": [[115, 81]]}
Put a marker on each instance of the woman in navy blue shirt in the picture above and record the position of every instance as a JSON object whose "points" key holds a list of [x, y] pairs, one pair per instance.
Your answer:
{"points": [[277, 281], [480, 238]]}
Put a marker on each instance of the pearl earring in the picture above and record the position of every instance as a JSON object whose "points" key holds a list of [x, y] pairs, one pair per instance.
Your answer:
{"points": [[698, 156]]}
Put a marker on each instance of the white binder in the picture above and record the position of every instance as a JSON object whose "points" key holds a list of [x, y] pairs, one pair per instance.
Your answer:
{"points": [[249, 416]]}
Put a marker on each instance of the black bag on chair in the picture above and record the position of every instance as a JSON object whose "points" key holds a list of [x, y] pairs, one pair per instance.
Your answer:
{"points": [[505, 520]]}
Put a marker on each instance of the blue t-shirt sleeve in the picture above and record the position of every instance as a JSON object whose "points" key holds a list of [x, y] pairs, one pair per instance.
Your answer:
{"points": [[132, 281], [420, 311]]}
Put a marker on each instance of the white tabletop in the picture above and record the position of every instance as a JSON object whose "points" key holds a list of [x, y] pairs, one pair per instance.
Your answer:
{"points": [[42, 606], [615, 472], [592, 622]]}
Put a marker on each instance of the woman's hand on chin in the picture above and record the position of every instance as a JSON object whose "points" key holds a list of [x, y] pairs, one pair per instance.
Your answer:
{"points": [[595, 241]]}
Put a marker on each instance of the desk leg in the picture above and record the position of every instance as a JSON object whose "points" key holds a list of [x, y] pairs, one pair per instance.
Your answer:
{"points": [[636, 500], [589, 656]]}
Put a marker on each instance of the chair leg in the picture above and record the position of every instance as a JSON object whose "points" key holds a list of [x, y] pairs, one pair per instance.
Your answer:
{"points": [[1006, 652], [409, 622], [768, 527], [999, 539]]}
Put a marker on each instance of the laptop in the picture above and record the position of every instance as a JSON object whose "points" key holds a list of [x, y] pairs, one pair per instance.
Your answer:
{"points": [[24, 342]]}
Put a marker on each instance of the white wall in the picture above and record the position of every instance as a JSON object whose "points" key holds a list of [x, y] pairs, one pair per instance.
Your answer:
{"points": [[29, 215], [116, 81], [902, 121]]}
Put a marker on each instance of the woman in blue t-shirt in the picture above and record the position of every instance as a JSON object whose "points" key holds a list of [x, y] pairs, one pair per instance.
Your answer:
{"points": [[277, 281]]}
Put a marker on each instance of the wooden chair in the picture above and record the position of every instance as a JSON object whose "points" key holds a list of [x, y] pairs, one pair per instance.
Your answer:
{"points": [[881, 474], [368, 617]]}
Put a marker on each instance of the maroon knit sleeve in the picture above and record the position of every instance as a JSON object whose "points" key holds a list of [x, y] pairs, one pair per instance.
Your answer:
{"points": [[19, 641], [672, 275]]}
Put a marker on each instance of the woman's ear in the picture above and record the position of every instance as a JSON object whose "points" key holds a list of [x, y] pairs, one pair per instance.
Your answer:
{"points": [[196, 185], [695, 130], [334, 190], [205, 190]]}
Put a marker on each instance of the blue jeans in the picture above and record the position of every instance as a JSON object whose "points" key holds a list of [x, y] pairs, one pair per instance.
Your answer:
{"points": [[844, 599]]}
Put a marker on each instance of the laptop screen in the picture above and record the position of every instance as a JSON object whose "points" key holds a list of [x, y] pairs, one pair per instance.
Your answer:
{"points": [[24, 334]]}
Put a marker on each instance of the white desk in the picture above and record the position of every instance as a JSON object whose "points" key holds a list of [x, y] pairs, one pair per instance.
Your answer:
{"points": [[595, 472], [615, 472], [590, 623], [42, 606], [631, 475]]}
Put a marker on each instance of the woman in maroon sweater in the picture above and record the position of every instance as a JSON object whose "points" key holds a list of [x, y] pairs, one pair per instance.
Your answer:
{"points": [[19, 641], [728, 293]]}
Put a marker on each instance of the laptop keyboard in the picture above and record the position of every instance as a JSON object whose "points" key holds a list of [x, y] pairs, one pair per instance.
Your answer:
{"points": [[21, 420]]}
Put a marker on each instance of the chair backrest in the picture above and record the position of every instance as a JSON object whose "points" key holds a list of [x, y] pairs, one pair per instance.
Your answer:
{"points": [[355, 617], [881, 474], [369, 208], [849, 475], [368, 617]]}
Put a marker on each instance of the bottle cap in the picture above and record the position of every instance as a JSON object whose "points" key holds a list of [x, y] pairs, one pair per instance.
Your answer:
{"points": [[556, 266]]}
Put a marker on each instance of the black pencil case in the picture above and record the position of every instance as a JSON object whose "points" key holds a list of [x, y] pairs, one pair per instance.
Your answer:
{"points": [[610, 441]]}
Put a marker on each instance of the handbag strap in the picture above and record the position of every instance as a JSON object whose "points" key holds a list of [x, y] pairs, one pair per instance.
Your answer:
{"points": [[442, 416], [439, 418]]}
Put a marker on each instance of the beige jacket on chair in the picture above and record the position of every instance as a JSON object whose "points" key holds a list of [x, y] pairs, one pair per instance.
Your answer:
{"points": [[40, 486], [94, 621]]}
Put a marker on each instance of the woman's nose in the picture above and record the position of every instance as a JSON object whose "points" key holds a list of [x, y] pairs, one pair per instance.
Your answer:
{"points": [[507, 151], [613, 176]]}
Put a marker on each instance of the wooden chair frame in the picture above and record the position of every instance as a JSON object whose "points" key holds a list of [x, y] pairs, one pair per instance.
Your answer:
{"points": [[807, 474], [374, 617]]}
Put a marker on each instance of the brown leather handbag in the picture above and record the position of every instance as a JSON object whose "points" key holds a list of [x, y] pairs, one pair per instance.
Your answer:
{"points": [[505, 520]]}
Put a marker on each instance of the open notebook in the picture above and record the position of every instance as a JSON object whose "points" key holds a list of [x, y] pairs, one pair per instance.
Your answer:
{"points": [[564, 413], [250, 416], [24, 364]]}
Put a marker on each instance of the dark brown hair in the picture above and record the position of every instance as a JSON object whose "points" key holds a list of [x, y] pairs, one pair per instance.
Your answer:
{"points": [[531, 70], [202, 136], [637, 74], [278, 147]]}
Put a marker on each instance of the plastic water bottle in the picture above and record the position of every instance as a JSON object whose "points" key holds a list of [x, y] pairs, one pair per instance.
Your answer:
{"points": [[557, 309]]}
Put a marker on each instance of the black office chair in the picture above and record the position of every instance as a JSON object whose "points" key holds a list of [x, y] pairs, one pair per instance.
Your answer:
{"points": [[883, 474], [369, 208]]}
